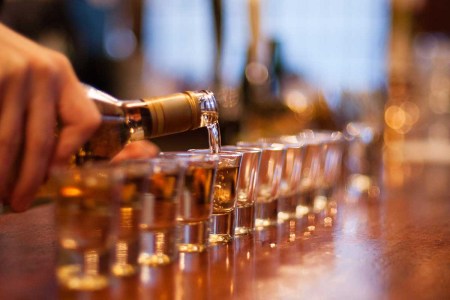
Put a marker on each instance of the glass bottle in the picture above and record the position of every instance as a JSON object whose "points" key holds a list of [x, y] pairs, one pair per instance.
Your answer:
{"points": [[124, 121]]}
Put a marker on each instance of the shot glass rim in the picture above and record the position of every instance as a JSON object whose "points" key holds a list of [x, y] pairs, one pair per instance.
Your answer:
{"points": [[361, 130], [225, 154], [143, 160], [243, 149], [188, 155], [58, 172], [149, 164], [320, 136], [262, 145], [283, 140]]}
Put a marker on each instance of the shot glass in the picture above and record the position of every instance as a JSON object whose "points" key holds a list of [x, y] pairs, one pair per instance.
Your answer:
{"points": [[268, 182], [311, 202], [86, 210], [244, 214], [158, 234], [224, 195], [135, 184], [326, 149], [195, 208], [290, 178], [363, 160], [333, 143]]}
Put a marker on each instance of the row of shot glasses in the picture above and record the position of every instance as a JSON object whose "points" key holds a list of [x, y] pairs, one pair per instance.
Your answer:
{"points": [[115, 219]]}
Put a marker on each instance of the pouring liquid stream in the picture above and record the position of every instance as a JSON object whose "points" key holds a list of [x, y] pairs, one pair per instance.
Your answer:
{"points": [[211, 120]]}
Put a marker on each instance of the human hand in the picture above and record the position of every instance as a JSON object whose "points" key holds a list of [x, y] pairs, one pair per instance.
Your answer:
{"points": [[38, 89], [135, 150]]}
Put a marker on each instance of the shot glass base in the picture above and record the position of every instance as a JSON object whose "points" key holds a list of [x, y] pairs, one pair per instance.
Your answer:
{"points": [[286, 208], [302, 211], [244, 219], [125, 258], [71, 277], [123, 270], [242, 231], [219, 238], [221, 227], [263, 223], [158, 259], [191, 248], [193, 236], [158, 247], [284, 216], [266, 214]]}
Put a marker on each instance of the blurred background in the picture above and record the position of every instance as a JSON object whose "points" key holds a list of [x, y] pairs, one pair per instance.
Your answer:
{"points": [[375, 69]]}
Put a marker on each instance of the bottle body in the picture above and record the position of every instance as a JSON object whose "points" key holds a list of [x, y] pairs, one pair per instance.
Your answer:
{"points": [[124, 121]]}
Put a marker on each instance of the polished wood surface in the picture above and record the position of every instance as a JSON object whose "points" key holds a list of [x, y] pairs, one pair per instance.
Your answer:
{"points": [[393, 247]]}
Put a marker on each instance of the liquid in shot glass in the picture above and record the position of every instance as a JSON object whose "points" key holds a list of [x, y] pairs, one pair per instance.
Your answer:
{"points": [[224, 195], [158, 234], [195, 204], [127, 246], [244, 215], [86, 210]]}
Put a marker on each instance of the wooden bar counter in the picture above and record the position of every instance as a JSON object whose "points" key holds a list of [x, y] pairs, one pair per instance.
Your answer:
{"points": [[394, 247]]}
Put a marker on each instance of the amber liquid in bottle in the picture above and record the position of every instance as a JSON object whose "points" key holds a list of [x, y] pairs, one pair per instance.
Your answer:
{"points": [[124, 121]]}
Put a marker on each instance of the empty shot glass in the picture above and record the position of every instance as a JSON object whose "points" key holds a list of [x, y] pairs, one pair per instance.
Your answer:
{"points": [[86, 210], [196, 198], [224, 196], [363, 160], [333, 149], [333, 143], [311, 168], [268, 182], [289, 190], [158, 234], [311, 202], [244, 214]]}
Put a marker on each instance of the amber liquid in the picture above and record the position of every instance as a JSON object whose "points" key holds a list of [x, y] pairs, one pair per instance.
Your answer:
{"points": [[158, 220], [195, 208], [159, 205], [107, 141], [131, 206], [127, 245], [225, 189], [84, 217], [195, 204]]}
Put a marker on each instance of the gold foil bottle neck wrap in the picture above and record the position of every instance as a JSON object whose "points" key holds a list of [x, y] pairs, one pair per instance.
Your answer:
{"points": [[178, 112]]}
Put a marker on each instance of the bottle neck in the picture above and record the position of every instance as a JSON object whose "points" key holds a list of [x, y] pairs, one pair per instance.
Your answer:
{"points": [[158, 116], [132, 120]]}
